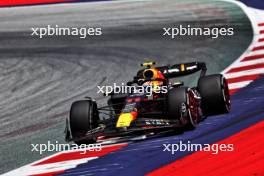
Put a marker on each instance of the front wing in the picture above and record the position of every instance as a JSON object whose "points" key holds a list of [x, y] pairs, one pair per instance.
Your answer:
{"points": [[141, 126]]}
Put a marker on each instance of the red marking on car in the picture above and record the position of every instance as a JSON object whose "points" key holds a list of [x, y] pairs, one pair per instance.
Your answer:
{"points": [[137, 99], [148, 126], [134, 114], [160, 75], [100, 137], [155, 96], [130, 100], [261, 24], [145, 99]]}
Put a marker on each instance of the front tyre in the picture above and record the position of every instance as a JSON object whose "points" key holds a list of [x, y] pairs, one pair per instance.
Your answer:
{"points": [[83, 117]]}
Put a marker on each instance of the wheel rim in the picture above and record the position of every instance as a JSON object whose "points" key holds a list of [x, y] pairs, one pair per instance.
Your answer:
{"points": [[226, 95], [193, 109]]}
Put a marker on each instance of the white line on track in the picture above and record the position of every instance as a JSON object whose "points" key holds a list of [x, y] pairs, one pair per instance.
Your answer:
{"points": [[258, 44], [261, 27], [248, 63], [244, 73], [51, 167], [254, 53], [238, 85]]}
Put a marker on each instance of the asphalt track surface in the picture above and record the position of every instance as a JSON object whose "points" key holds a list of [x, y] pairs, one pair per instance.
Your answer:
{"points": [[40, 78]]}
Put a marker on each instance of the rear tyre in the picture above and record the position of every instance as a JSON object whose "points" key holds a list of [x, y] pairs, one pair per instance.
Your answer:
{"points": [[215, 95], [182, 104], [83, 117]]}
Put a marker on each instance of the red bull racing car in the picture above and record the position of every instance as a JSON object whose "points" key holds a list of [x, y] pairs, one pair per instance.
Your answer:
{"points": [[154, 103]]}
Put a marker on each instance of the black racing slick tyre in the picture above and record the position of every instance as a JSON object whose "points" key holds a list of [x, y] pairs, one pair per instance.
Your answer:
{"points": [[83, 117], [182, 104], [215, 95]]}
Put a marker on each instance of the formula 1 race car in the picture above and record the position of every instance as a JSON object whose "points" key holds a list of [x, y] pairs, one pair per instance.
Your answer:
{"points": [[154, 104]]}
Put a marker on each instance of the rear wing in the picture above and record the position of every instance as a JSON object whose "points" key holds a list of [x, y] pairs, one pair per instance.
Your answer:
{"points": [[183, 69], [177, 70]]}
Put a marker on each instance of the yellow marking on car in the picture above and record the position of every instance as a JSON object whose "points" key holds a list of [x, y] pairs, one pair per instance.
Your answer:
{"points": [[124, 120], [182, 67], [148, 64]]}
